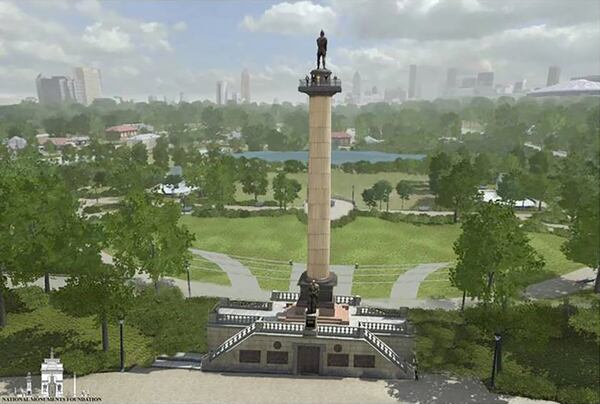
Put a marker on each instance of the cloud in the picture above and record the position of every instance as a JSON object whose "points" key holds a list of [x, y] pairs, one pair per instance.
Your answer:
{"points": [[302, 17], [180, 26], [107, 39]]}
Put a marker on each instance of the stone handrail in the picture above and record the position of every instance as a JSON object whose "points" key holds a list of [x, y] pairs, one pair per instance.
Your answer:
{"points": [[232, 342], [387, 328], [339, 331], [276, 327], [380, 312], [310, 83], [246, 304], [384, 350], [280, 296], [349, 300], [236, 319]]}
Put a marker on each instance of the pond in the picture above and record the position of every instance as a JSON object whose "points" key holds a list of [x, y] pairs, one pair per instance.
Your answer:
{"points": [[337, 156]]}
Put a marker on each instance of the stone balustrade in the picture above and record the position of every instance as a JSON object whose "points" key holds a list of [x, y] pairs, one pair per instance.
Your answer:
{"points": [[279, 296], [402, 312], [349, 300], [245, 304], [276, 327], [387, 328], [384, 349], [236, 319], [339, 331], [232, 342]]}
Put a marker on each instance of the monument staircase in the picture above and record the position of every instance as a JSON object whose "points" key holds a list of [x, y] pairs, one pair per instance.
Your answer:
{"points": [[297, 329]]}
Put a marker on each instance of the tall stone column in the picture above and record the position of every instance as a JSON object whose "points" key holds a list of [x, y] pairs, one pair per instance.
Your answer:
{"points": [[320, 87], [319, 186]]}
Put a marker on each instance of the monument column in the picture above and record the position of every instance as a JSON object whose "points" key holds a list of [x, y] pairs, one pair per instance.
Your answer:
{"points": [[320, 87]]}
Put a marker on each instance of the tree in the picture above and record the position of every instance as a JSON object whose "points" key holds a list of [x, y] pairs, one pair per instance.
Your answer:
{"points": [[382, 191], [493, 255], [102, 292], [179, 156], [580, 197], [368, 195], [139, 153], [254, 178], [483, 167], [404, 189], [285, 190], [458, 189], [160, 153], [439, 165], [511, 187], [146, 237], [218, 178]]}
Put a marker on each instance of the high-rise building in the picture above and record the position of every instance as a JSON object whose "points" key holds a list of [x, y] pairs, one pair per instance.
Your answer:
{"points": [[356, 85], [468, 82], [54, 90], [221, 92], [485, 79], [245, 86], [519, 86], [451, 78], [412, 81], [553, 75], [88, 84]]}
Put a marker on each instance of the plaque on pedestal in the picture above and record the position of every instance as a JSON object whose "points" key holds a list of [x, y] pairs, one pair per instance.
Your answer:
{"points": [[310, 326]]}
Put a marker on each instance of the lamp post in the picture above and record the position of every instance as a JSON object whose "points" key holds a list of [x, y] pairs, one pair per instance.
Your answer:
{"points": [[122, 348], [353, 203], [497, 362], [187, 269]]}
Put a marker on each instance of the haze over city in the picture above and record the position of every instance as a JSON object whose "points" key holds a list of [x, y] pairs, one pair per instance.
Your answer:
{"points": [[163, 49]]}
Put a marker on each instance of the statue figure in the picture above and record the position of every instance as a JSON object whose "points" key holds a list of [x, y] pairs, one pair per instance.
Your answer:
{"points": [[313, 297], [321, 49]]}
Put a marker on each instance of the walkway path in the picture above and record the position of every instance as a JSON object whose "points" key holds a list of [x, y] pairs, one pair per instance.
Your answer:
{"points": [[407, 285], [142, 385], [566, 284]]}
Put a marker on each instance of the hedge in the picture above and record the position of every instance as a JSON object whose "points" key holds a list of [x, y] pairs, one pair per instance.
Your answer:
{"points": [[398, 217], [204, 211]]}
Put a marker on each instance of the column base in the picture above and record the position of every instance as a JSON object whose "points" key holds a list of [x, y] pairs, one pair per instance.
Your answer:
{"points": [[326, 299]]}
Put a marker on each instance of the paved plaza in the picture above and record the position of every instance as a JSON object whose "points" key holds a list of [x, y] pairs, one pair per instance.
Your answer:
{"points": [[191, 386]]}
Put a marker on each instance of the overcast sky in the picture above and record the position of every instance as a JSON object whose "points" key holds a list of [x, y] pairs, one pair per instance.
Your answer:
{"points": [[166, 47]]}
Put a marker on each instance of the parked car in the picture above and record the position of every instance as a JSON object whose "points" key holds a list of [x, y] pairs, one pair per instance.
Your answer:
{"points": [[424, 208]]}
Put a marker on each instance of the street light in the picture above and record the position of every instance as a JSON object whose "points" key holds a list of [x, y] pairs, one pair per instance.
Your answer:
{"points": [[121, 324], [187, 269], [353, 195], [497, 361]]}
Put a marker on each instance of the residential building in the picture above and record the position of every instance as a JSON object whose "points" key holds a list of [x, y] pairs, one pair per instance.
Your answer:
{"points": [[553, 76], [451, 78], [485, 83], [340, 139], [245, 86], [54, 90], [121, 132], [16, 143], [412, 82], [519, 86], [88, 85], [221, 92], [148, 139]]}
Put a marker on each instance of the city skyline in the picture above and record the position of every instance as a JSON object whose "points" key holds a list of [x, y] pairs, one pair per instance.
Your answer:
{"points": [[168, 48]]}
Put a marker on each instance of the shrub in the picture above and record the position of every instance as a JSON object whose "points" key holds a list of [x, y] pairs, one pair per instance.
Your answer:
{"points": [[32, 297], [397, 217]]}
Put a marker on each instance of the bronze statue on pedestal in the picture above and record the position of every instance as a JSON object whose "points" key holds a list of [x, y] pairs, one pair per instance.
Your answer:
{"points": [[321, 49]]}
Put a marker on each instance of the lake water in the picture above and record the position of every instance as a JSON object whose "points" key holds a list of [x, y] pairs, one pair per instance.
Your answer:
{"points": [[337, 156]]}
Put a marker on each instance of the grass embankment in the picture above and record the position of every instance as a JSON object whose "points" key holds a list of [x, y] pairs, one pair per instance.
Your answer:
{"points": [[366, 241], [203, 270], [341, 185], [155, 325]]}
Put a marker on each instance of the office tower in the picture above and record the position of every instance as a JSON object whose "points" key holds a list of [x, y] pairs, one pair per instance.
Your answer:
{"points": [[519, 86], [54, 90], [553, 75], [356, 85], [245, 86], [485, 80], [88, 85], [180, 97], [412, 81], [451, 78], [221, 92]]}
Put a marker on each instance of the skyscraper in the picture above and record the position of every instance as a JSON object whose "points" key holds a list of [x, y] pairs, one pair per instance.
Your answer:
{"points": [[221, 92], [451, 78], [485, 79], [412, 81], [356, 87], [245, 86], [553, 75], [88, 84], [54, 90]]}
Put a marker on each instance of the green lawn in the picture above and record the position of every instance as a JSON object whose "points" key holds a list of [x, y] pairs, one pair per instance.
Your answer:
{"points": [[366, 241], [204, 270], [342, 182], [376, 282], [270, 275]]}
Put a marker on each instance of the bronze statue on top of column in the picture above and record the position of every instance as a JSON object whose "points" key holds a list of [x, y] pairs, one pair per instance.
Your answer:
{"points": [[321, 49]]}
